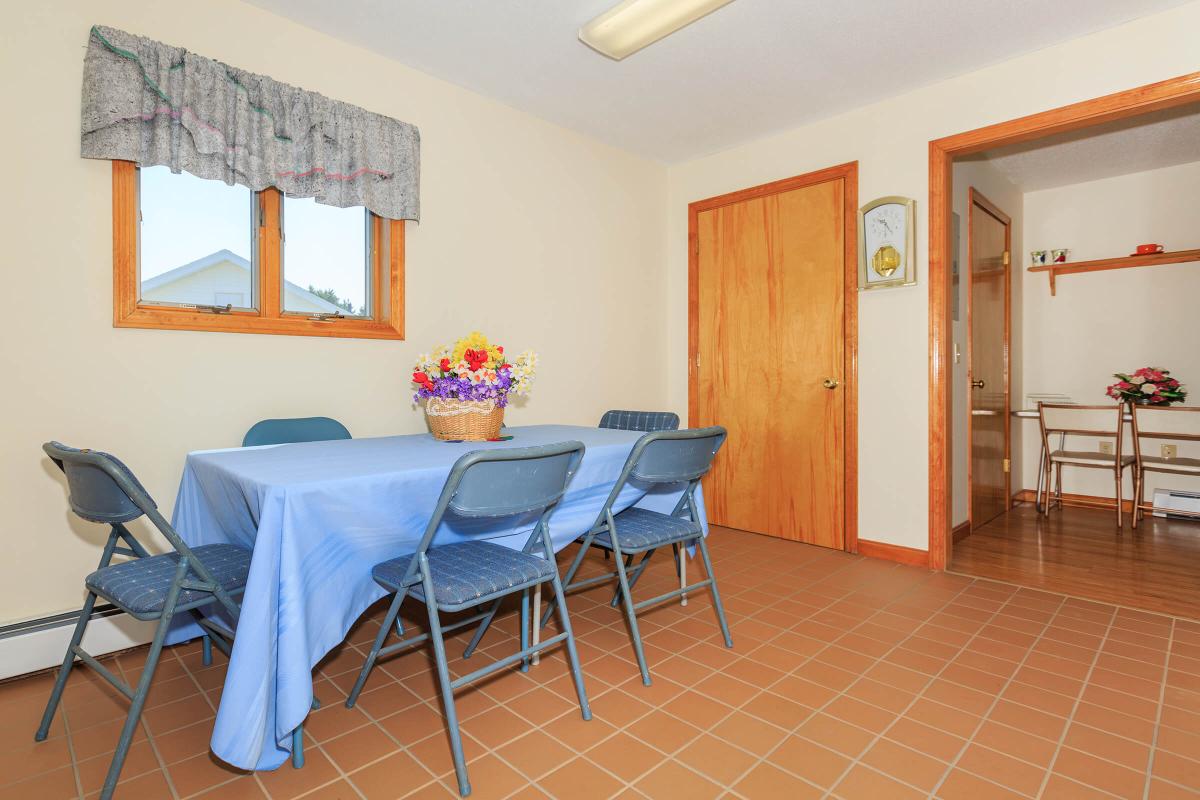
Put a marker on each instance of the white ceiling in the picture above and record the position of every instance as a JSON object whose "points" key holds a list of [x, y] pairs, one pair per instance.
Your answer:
{"points": [[1151, 141], [749, 69]]}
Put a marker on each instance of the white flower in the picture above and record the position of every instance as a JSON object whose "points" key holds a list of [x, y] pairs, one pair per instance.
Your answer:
{"points": [[1137, 380], [1149, 388]]}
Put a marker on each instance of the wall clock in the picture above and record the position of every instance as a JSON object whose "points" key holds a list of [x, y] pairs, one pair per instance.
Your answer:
{"points": [[886, 243]]}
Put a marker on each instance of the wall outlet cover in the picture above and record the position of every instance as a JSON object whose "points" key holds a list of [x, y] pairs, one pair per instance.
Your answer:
{"points": [[1170, 451], [1106, 447]]}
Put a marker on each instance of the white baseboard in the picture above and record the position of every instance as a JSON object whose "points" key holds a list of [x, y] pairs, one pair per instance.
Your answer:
{"points": [[40, 648]]}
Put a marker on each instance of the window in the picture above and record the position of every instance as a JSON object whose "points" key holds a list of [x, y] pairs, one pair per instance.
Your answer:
{"points": [[194, 254]]}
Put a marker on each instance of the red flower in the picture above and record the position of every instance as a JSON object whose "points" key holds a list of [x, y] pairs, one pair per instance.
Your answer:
{"points": [[422, 379], [444, 365], [499, 349]]}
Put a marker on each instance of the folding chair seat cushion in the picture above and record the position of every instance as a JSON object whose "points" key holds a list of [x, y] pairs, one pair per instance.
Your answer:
{"points": [[466, 572], [140, 586], [639, 529]]}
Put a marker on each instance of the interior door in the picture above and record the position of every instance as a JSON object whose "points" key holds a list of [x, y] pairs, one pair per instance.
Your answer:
{"points": [[769, 333], [989, 237]]}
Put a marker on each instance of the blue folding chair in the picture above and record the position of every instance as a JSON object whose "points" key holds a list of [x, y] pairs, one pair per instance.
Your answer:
{"points": [[483, 484], [102, 489], [646, 421], [300, 429], [657, 458]]}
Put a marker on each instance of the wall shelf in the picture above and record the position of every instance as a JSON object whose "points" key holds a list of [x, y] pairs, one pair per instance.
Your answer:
{"points": [[1149, 260]]}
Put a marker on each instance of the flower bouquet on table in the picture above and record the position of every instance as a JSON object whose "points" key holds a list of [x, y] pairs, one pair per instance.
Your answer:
{"points": [[465, 388], [1147, 386]]}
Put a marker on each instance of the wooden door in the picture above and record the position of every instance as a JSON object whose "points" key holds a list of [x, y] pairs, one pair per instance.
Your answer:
{"points": [[989, 237], [769, 356]]}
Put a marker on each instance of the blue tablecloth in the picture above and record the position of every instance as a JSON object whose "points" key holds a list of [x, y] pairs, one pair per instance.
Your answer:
{"points": [[318, 516]]}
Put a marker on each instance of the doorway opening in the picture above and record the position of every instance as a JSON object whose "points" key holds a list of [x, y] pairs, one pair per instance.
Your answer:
{"points": [[1091, 179]]}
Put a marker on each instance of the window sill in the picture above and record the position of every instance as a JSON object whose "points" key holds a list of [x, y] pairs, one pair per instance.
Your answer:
{"points": [[174, 319]]}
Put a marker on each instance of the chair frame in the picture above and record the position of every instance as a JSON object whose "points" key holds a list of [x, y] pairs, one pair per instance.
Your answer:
{"points": [[626, 572], [121, 541], [419, 573], [1141, 467], [283, 431], [1117, 468], [669, 417]]}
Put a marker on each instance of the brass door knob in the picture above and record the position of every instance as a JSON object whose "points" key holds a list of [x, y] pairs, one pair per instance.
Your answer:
{"points": [[829, 383], [977, 384]]}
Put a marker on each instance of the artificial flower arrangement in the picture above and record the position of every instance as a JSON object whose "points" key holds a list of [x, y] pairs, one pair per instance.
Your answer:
{"points": [[465, 389], [1147, 386]]}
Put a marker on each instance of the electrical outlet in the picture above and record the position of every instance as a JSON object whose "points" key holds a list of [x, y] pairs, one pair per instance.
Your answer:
{"points": [[1170, 450], [1106, 448]]}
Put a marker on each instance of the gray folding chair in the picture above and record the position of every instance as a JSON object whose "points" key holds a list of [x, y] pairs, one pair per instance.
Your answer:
{"points": [[299, 429], [646, 421], [483, 484], [103, 490], [657, 458]]}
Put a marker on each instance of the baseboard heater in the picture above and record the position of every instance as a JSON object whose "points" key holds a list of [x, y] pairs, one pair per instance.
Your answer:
{"points": [[37, 644], [1168, 500]]}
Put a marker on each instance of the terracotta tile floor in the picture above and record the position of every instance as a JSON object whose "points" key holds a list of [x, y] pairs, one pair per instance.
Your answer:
{"points": [[850, 678]]}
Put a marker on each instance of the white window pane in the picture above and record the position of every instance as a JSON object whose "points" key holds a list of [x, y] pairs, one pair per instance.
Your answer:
{"points": [[324, 258], [196, 240]]}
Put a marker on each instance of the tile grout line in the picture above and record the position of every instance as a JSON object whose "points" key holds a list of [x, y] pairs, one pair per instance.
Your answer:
{"points": [[71, 749], [879, 659], [1162, 701], [1087, 679], [983, 718]]}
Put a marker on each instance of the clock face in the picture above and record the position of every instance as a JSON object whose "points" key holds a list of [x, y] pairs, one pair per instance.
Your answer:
{"points": [[885, 230]]}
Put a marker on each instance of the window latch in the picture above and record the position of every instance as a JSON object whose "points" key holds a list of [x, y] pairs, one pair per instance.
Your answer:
{"points": [[326, 316], [225, 309]]}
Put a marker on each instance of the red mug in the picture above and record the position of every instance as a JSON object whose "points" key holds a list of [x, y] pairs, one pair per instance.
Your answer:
{"points": [[1147, 249]]}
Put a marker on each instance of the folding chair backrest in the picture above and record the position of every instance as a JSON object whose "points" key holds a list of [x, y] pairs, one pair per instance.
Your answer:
{"points": [[495, 483], [300, 429], [1082, 420], [674, 456], [647, 421], [1158, 422], [101, 488]]}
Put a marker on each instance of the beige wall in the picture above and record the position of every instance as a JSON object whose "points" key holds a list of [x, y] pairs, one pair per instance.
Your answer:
{"points": [[985, 178], [1115, 321], [534, 234], [890, 140]]}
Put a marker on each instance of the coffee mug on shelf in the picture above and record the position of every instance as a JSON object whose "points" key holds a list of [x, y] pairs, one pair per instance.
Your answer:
{"points": [[1059, 256], [1147, 249], [1038, 257]]}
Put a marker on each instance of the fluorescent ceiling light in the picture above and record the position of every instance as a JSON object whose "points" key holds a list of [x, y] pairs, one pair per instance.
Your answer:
{"points": [[632, 24]]}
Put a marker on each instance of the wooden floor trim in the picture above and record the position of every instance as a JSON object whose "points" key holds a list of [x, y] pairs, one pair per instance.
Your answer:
{"points": [[961, 531], [893, 552]]}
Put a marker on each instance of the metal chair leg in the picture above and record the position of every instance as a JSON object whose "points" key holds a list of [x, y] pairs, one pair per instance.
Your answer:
{"points": [[443, 671], [572, 655], [64, 672], [631, 616], [380, 638], [143, 689], [483, 627], [571, 570], [298, 747], [206, 650], [525, 628], [633, 578], [716, 595]]}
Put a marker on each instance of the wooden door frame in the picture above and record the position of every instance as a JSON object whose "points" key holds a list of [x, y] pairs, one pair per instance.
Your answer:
{"points": [[848, 174], [942, 152], [977, 198]]}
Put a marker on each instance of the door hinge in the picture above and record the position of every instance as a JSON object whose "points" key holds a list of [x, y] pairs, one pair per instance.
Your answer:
{"points": [[1006, 257], [1007, 465], [697, 361], [696, 247]]}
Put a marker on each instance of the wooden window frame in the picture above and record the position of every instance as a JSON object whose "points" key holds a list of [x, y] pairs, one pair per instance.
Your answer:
{"points": [[387, 278]]}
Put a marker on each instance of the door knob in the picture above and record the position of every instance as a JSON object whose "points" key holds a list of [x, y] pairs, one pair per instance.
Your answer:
{"points": [[977, 384], [829, 383]]}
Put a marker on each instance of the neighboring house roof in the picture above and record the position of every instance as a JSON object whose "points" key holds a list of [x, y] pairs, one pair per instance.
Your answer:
{"points": [[223, 256]]}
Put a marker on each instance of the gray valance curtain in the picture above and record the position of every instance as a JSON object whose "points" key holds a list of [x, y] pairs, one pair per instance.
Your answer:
{"points": [[148, 102]]}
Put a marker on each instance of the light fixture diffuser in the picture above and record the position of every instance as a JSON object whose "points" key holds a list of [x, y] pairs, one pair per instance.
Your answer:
{"points": [[632, 24]]}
